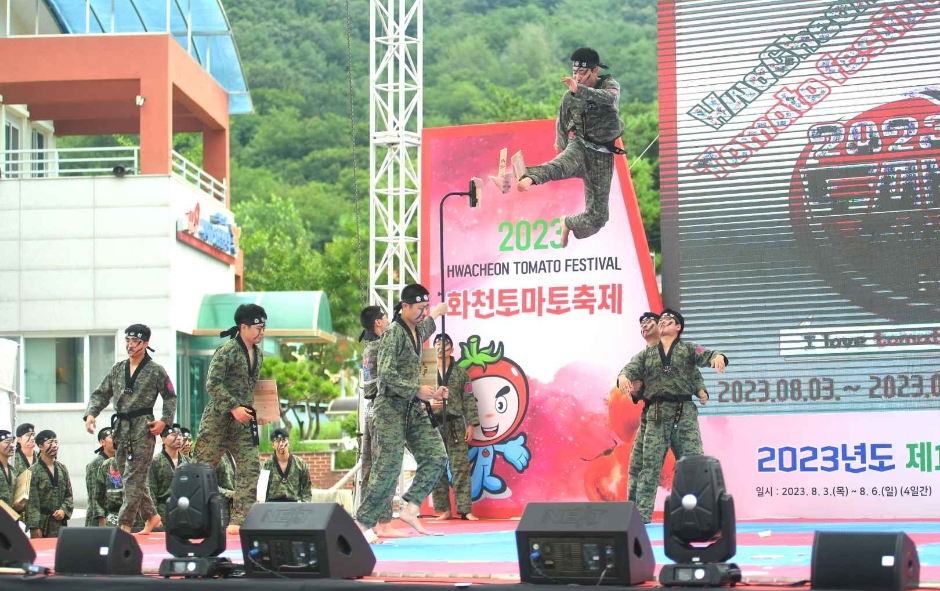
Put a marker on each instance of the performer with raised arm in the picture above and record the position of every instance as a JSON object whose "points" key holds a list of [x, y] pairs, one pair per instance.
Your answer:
{"points": [[400, 415], [667, 371], [588, 125], [135, 384], [229, 422]]}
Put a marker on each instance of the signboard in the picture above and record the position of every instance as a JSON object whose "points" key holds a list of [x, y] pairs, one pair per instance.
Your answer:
{"points": [[213, 235], [801, 236], [542, 330]]}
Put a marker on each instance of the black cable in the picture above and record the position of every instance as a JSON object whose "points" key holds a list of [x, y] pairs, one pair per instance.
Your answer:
{"points": [[600, 580], [264, 568]]}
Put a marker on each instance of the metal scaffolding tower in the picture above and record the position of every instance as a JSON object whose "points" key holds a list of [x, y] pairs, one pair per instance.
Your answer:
{"points": [[395, 120]]}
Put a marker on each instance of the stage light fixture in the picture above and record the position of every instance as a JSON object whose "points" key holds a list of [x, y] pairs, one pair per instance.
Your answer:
{"points": [[194, 512], [699, 527]]}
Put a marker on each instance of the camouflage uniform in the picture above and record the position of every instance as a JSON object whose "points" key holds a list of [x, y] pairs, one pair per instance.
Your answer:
{"points": [[231, 383], [109, 491], [669, 383], [133, 443], [370, 365], [161, 480], [225, 476], [292, 485], [461, 412], [636, 454], [19, 462], [592, 115], [7, 484], [91, 488], [47, 494], [401, 418]]}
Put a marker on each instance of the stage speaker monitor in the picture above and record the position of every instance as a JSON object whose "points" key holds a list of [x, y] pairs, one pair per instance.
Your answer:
{"points": [[584, 543], [865, 560], [97, 551], [304, 540], [15, 549]]}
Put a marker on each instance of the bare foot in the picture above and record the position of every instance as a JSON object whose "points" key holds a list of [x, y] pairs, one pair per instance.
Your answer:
{"points": [[153, 522], [523, 184], [564, 232], [410, 516], [233, 530], [368, 534], [385, 530], [126, 528], [471, 517], [444, 516]]}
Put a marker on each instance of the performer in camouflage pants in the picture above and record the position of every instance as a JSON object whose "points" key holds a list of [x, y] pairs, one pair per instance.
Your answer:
{"points": [[667, 371], [585, 133]]}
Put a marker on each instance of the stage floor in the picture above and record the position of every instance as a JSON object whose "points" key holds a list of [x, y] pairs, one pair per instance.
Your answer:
{"points": [[485, 551]]}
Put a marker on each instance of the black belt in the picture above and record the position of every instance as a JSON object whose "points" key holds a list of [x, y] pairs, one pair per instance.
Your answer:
{"points": [[127, 416], [673, 398], [163, 499], [253, 423]]}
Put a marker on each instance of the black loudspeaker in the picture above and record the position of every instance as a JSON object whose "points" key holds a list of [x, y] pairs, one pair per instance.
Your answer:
{"points": [[584, 543], [304, 540], [97, 551], [15, 548], [865, 560]]}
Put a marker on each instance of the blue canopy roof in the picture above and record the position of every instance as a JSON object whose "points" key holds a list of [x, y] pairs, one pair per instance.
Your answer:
{"points": [[212, 45]]}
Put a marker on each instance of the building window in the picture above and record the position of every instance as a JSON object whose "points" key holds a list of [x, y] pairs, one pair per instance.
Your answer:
{"points": [[9, 364], [59, 370], [38, 154], [11, 142]]}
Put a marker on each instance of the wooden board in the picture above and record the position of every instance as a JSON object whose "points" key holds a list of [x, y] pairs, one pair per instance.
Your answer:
{"points": [[266, 404]]}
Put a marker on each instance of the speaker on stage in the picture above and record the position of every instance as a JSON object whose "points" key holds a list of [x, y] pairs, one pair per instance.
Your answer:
{"points": [[97, 551], [15, 548], [304, 540], [583, 543], [865, 560]]}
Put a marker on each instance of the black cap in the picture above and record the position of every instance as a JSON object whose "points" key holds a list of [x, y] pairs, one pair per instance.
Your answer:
{"points": [[585, 57], [43, 436], [4, 435], [104, 433], [24, 429], [174, 428], [280, 434], [649, 316]]}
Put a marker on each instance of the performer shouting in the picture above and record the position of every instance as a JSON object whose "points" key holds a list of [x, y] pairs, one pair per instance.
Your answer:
{"points": [[289, 480], [374, 322], [462, 417], [135, 382], [228, 422], [400, 416], [589, 111], [50, 502], [667, 371], [649, 330]]}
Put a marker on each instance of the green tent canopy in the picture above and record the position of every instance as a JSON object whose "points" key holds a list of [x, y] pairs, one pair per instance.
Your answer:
{"points": [[293, 316]]}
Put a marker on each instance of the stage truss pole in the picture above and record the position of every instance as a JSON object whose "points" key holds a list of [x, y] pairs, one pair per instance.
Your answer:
{"points": [[395, 121]]}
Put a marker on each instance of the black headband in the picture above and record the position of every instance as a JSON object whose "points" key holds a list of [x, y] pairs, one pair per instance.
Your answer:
{"points": [[417, 299], [233, 332], [582, 64], [648, 316]]}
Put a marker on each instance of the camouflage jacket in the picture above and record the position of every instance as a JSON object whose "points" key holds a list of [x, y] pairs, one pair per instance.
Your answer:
{"points": [[672, 375], [460, 401], [161, 474], [132, 393], [400, 358], [109, 491], [230, 382], [590, 113], [7, 484], [293, 484], [370, 366], [91, 487], [225, 476], [47, 494], [19, 462]]}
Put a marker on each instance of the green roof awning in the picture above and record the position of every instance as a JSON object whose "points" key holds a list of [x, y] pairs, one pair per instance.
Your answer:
{"points": [[293, 316]]}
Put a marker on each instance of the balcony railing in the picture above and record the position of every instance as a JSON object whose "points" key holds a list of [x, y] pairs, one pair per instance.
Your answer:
{"points": [[117, 161]]}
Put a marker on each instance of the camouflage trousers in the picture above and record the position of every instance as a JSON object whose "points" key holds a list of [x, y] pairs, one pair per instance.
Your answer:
{"points": [[596, 170], [399, 422], [134, 474], [636, 457], [217, 433], [663, 434], [368, 445], [459, 458]]}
